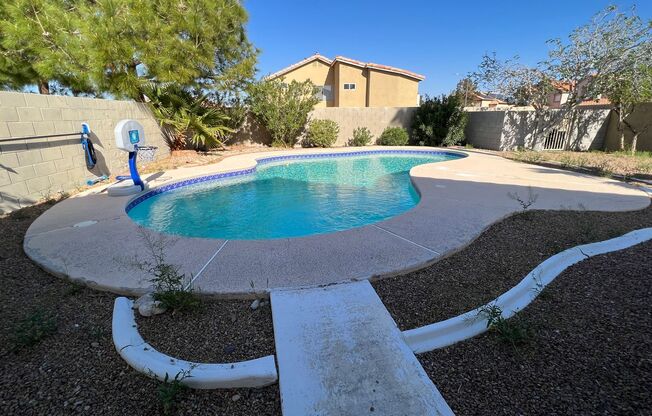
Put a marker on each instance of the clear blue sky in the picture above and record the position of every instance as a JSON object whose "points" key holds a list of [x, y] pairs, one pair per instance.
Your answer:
{"points": [[443, 40]]}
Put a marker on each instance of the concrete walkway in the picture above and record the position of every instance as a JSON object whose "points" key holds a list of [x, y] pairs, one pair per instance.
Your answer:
{"points": [[340, 353]]}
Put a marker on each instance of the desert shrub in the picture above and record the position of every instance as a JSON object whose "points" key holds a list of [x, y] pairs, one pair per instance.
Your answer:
{"points": [[439, 121], [282, 108], [393, 136], [361, 137], [321, 133]]}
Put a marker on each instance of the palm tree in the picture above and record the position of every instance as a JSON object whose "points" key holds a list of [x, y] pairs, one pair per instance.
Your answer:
{"points": [[188, 116]]}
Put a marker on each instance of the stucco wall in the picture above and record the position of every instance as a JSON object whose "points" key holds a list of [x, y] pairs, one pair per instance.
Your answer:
{"points": [[387, 89], [316, 71], [375, 119], [31, 170], [514, 128], [641, 115], [347, 74]]}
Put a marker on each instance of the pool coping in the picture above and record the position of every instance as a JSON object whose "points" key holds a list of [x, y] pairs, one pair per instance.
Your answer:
{"points": [[99, 225]]}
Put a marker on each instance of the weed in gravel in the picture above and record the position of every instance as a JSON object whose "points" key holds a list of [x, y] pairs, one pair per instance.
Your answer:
{"points": [[171, 287], [524, 203], [512, 331], [97, 333], [33, 329], [73, 288], [170, 392]]}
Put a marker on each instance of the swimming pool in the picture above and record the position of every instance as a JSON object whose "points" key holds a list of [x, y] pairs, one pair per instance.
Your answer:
{"points": [[288, 196]]}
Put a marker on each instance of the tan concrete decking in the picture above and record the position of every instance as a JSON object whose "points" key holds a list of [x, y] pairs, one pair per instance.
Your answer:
{"points": [[459, 198]]}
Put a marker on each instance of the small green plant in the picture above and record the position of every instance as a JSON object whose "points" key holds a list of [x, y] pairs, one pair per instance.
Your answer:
{"points": [[33, 329], [170, 391], [73, 288], [321, 133], [361, 137], [524, 203], [393, 136], [511, 331], [171, 287]]}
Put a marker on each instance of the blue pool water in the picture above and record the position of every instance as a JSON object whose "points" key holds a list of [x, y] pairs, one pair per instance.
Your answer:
{"points": [[290, 198]]}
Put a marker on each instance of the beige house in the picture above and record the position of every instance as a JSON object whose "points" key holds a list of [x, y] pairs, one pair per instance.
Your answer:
{"points": [[479, 99], [346, 82]]}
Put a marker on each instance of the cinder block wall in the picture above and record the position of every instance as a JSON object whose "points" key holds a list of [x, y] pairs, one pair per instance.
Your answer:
{"points": [[31, 170], [376, 119], [514, 128]]}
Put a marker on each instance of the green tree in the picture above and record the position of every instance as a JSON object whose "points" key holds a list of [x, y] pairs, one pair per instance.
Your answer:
{"points": [[117, 46], [41, 44], [187, 117], [282, 108], [439, 121], [194, 43]]}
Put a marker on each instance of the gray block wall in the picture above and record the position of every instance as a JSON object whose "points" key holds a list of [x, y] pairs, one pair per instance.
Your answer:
{"points": [[514, 128], [31, 170]]}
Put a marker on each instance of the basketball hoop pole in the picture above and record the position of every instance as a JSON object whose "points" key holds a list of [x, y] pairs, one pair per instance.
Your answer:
{"points": [[133, 169]]}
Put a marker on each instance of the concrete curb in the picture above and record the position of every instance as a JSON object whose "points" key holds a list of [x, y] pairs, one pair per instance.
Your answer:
{"points": [[472, 323], [145, 359]]}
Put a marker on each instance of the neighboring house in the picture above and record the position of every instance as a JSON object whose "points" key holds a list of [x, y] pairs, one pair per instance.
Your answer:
{"points": [[479, 99], [562, 91], [346, 82]]}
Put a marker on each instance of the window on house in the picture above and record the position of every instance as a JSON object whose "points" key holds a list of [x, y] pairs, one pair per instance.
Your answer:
{"points": [[557, 98], [324, 93], [349, 86]]}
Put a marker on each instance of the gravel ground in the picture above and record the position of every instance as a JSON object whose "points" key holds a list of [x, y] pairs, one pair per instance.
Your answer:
{"points": [[76, 370], [496, 261], [220, 331], [590, 352]]}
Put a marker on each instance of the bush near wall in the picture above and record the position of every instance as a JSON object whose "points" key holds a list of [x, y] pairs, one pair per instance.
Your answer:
{"points": [[439, 121], [321, 133], [361, 137], [394, 136]]}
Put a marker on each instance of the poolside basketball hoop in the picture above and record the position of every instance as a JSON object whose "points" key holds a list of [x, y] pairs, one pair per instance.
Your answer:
{"points": [[130, 137], [146, 154]]}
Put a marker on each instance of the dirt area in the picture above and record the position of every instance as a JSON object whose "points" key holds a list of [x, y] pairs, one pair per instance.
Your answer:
{"points": [[621, 164], [188, 158]]}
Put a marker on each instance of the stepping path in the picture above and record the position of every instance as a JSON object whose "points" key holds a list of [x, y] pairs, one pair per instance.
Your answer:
{"points": [[339, 352]]}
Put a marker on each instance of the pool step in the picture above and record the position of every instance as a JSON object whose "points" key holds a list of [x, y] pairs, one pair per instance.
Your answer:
{"points": [[339, 352]]}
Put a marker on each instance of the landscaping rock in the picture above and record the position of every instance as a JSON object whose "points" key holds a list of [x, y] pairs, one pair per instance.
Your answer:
{"points": [[146, 298], [151, 308], [255, 304]]}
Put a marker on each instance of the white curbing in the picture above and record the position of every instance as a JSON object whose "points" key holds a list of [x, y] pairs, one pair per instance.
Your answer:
{"points": [[472, 323], [145, 359]]}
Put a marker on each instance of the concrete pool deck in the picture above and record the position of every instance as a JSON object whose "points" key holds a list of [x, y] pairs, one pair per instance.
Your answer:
{"points": [[90, 238]]}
